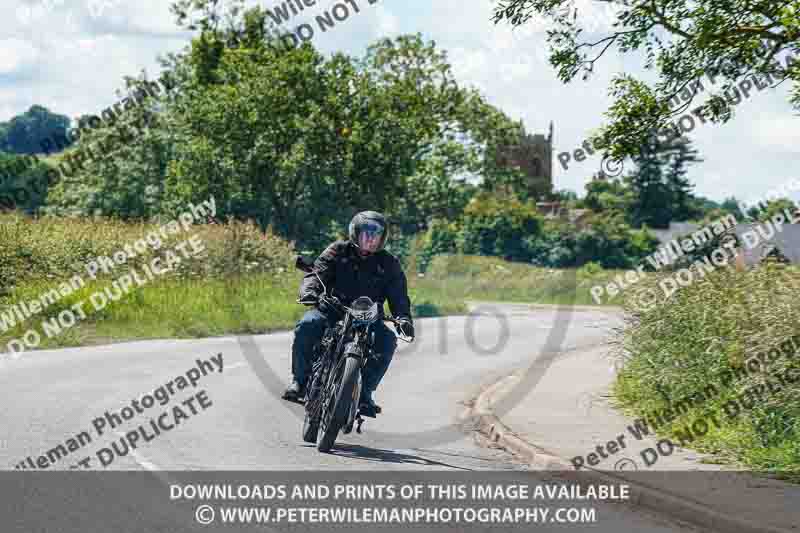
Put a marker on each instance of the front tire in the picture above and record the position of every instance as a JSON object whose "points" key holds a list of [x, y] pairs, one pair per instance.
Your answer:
{"points": [[333, 421], [310, 430]]}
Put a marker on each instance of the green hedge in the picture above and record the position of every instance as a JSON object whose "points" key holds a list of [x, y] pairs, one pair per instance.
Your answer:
{"points": [[505, 227]]}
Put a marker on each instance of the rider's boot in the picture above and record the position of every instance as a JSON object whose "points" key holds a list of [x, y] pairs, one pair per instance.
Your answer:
{"points": [[295, 392], [367, 406]]}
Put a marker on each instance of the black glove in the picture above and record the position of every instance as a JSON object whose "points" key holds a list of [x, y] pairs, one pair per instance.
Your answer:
{"points": [[328, 308], [308, 298], [406, 327]]}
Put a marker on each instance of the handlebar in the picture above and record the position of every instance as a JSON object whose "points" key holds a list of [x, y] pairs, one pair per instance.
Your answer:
{"points": [[335, 301]]}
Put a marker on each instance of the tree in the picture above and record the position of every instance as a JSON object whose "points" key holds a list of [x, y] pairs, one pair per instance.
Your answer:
{"points": [[731, 205], [432, 193], [24, 182], [117, 168], [24, 133], [440, 238], [608, 240], [499, 225], [729, 40], [772, 207], [440, 187], [297, 141], [660, 192], [651, 196], [607, 195], [4, 137], [678, 154], [291, 139], [604, 238]]}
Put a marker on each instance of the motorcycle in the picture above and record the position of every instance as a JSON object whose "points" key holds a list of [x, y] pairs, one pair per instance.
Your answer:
{"points": [[332, 396]]}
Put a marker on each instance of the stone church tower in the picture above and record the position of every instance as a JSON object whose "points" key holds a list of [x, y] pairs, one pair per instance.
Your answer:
{"points": [[534, 155]]}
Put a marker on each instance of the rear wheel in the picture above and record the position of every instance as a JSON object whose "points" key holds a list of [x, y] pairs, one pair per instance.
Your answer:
{"points": [[336, 412]]}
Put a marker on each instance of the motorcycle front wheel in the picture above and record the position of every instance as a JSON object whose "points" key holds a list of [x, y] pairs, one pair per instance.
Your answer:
{"points": [[336, 412], [310, 430]]}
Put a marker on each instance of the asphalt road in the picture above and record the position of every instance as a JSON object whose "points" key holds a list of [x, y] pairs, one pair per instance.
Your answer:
{"points": [[241, 424]]}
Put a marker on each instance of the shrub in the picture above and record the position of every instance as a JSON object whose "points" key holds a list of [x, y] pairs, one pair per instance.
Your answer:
{"points": [[612, 242], [604, 239], [400, 245], [590, 269], [555, 247], [498, 225], [440, 238]]}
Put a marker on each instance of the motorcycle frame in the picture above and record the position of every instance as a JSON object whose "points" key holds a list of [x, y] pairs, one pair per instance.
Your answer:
{"points": [[361, 340]]}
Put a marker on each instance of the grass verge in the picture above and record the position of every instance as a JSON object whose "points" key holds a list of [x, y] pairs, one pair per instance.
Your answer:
{"points": [[715, 369], [263, 302]]}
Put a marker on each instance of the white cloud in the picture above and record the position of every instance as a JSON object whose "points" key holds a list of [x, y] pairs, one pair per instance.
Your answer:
{"points": [[777, 133], [79, 61], [16, 56], [144, 17], [387, 22]]}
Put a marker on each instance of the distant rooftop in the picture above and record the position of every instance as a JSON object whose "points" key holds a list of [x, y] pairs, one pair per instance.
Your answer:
{"points": [[787, 241], [675, 230]]}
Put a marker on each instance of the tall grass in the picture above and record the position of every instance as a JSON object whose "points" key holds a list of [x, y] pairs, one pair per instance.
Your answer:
{"points": [[52, 249], [704, 331], [491, 278]]}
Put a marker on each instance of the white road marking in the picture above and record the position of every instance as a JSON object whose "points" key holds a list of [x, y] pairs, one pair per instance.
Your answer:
{"points": [[144, 463]]}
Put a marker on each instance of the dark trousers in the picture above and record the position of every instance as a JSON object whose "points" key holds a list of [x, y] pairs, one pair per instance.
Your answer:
{"points": [[311, 328]]}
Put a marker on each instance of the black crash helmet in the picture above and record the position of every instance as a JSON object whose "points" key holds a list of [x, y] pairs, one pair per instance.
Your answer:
{"points": [[369, 231]]}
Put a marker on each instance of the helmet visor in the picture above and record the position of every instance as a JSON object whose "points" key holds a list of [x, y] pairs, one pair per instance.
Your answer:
{"points": [[370, 237]]}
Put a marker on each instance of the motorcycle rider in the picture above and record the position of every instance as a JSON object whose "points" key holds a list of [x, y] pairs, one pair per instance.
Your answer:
{"points": [[356, 267]]}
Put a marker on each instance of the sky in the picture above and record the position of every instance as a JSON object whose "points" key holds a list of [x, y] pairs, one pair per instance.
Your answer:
{"points": [[71, 56]]}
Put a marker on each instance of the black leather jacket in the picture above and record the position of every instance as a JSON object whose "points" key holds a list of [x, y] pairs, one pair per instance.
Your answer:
{"points": [[379, 276]]}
